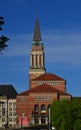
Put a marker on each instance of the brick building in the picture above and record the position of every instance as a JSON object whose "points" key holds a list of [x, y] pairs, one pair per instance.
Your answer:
{"points": [[33, 104]]}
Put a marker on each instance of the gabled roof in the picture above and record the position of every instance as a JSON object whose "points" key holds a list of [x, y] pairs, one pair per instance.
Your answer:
{"points": [[44, 88], [9, 91], [48, 77]]}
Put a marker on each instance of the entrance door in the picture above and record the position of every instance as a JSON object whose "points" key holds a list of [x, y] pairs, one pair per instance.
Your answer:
{"points": [[43, 120], [36, 120]]}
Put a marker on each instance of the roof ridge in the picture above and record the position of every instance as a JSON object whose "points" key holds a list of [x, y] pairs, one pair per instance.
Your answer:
{"points": [[42, 88], [48, 76]]}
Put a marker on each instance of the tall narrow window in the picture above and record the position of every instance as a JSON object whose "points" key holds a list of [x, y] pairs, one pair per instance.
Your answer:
{"points": [[36, 108], [40, 60], [32, 60], [36, 60]]}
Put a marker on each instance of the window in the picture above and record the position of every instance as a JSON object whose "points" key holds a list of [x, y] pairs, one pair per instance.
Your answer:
{"points": [[3, 119], [14, 104], [10, 109], [14, 119], [14, 109], [36, 108], [10, 103], [10, 125], [43, 98], [3, 111], [43, 109], [14, 113], [40, 60], [10, 113], [36, 60], [10, 119], [32, 60]]}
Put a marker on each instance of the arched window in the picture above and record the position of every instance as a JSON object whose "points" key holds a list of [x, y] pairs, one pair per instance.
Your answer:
{"points": [[36, 108], [43, 109]]}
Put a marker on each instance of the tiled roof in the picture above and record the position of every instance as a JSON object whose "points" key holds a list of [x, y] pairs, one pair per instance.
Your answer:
{"points": [[24, 93], [48, 77], [8, 90], [44, 88]]}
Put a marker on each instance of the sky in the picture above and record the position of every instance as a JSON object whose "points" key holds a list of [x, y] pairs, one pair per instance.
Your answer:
{"points": [[60, 26]]}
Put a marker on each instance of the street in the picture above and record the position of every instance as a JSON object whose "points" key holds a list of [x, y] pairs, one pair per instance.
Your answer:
{"points": [[28, 128]]}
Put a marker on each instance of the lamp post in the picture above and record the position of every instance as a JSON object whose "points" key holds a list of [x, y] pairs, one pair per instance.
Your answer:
{"points": [[49, 119]]}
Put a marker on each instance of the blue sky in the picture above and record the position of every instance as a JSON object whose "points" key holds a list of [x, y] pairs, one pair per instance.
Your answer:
{"points": [[60, 25]]}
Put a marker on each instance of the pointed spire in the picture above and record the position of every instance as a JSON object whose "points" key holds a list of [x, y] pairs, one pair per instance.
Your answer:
{"points": [[37, 34]]}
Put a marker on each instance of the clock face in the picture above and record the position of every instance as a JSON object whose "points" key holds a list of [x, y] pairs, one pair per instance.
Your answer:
{"points": [[36, 75]]}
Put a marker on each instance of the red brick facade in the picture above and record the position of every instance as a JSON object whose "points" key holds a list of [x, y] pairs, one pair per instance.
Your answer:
{"points": [[33, 104]]}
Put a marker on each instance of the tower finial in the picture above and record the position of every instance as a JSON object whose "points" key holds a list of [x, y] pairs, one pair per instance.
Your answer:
{"points": [[37, 35]]}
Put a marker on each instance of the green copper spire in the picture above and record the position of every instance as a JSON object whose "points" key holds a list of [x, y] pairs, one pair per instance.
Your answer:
{"points": [[37, 36]]}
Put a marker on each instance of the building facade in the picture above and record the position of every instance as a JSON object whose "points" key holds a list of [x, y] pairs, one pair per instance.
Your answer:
{"points": [[32, 106], [7, 106]]}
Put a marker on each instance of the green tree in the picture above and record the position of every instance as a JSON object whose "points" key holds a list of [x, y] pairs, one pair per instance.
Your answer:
{"points": [[76, 110], [66, 114], [3, 39]]}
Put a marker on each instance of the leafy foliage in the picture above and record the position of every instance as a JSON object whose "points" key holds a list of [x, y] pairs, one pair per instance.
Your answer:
{"points": [[3, 39], [66, 114]]}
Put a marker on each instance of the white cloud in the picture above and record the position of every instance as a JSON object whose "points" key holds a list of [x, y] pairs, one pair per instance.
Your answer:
{"points": [[70, 54], [59, 48], [63, 48], [19, 45]]}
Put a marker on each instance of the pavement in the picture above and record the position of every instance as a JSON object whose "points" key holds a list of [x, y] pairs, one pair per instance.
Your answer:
{"points": [[10, 128], [40, 127]]}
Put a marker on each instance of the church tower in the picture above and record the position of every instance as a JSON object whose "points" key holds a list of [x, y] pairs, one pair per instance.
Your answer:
{"points": [[37, 64]]}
